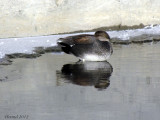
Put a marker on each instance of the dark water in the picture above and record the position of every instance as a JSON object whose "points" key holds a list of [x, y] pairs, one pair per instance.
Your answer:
{"points": [[55, 87]]}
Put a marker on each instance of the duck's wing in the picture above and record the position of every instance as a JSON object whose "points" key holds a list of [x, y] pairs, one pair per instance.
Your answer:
{"points": [[84, 39], [69, 42], [78, 39]]}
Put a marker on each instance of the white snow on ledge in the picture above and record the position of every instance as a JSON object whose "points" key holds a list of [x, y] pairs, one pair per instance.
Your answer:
{"points": [[27, 44], [126, 34]]}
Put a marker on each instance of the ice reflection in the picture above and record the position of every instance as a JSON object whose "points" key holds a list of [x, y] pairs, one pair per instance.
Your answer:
{"points": [[95, 74]]}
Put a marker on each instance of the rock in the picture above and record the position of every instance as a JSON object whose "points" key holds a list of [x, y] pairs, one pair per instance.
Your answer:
{"points": [[39, 50], [5, 61], [118, 41], [156, 38], [23, 55], [53, 49]]}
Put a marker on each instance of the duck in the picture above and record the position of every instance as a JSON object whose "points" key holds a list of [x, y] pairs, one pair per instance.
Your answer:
{"points": [[88, 47]]}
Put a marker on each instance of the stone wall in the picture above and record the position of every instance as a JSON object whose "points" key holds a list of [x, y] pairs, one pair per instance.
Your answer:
{"points": [[20, 18]]}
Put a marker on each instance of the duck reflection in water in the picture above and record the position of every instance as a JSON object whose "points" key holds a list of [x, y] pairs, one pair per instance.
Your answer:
{"points": [[95, 74]]}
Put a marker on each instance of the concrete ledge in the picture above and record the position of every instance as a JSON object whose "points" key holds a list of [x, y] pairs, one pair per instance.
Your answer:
{"points": [[43, 17]]}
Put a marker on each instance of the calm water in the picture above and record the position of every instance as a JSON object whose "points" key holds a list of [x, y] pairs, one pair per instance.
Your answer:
{"points": [[55, 87]]}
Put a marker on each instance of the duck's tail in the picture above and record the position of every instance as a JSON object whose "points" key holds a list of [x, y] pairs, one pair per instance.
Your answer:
{"points": [[65, 47]]}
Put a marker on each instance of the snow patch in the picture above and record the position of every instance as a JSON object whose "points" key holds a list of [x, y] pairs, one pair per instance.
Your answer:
{"points": [[27, 44]]}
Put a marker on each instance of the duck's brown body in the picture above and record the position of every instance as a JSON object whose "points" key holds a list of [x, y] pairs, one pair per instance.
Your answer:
{"points": [[88, 47]]}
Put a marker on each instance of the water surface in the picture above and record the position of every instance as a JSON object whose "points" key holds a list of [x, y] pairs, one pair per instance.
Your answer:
{"points": [[56, 87]]}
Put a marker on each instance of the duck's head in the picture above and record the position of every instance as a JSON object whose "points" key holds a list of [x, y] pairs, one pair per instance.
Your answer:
{"points": [[102, 36]]}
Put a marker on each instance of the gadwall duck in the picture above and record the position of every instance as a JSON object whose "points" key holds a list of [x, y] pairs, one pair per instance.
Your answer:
{"points": [[88, 47]]}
